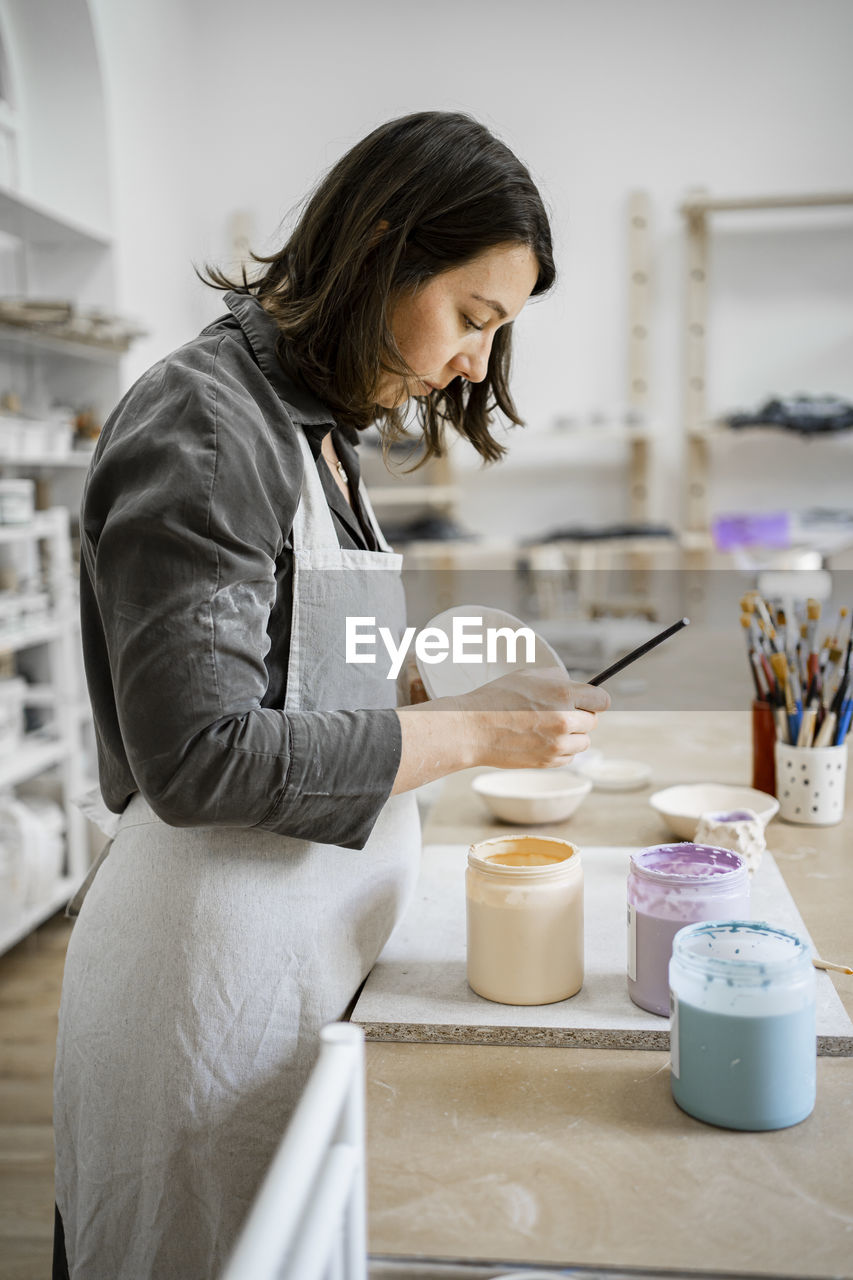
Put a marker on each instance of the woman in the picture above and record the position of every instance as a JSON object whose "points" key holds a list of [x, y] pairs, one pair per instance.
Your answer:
{"points": [[268, 836]]}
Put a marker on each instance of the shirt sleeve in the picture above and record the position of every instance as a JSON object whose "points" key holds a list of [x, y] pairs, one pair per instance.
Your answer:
{"points": [[183, 521]]}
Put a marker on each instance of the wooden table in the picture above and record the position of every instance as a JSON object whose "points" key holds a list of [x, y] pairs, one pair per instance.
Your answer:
{"points": [[580, 1156]]}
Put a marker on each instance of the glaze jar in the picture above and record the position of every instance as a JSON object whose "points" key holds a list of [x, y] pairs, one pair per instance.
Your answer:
{"points": [[524, 897], [743, 1037], [669, 886]]}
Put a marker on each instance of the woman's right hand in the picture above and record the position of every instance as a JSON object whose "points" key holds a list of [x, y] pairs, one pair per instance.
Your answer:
{"points": [[534, 718]]}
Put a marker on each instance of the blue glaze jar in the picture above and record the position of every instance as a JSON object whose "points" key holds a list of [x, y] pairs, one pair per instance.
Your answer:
{"points": [[743, 1036]]}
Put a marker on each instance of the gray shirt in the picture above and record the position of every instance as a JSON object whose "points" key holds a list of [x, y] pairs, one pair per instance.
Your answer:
{"points": [[186, 592]]}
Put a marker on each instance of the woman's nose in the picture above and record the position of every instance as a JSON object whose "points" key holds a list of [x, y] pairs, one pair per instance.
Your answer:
{"points": [[473, 364]]}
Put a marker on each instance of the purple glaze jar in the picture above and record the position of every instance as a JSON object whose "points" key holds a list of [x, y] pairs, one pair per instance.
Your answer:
{"points": [[669, 886]]}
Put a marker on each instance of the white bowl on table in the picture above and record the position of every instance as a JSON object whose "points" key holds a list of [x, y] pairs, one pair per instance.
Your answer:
{"points": [[682, 806], [530, 796], [608, 773]]}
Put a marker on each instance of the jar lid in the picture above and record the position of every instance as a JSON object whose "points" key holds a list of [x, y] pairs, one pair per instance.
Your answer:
{"points": [[740, 951], [687, 863]]}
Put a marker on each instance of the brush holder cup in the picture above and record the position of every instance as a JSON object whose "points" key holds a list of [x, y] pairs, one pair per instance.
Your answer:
{"points": [[810, 784], [763, 742]]}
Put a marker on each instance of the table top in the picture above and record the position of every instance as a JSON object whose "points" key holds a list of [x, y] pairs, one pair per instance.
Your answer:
{"points": [[579, 1156]]}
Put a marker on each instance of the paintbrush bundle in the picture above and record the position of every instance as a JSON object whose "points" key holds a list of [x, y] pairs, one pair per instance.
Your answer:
{"points": [[807, 680]]}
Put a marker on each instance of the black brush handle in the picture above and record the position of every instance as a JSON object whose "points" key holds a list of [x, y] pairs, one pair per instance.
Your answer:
{"points": [[638, 653]]}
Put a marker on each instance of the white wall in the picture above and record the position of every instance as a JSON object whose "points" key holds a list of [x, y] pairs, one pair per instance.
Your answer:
{"points": [[59, 106], [218, 108], [154, 98]]}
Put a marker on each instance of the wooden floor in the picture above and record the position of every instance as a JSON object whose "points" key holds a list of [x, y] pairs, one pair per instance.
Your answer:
{"points": [[30, 983]]}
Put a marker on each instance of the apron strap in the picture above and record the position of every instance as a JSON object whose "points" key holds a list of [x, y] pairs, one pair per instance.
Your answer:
{"points": [[371, 515], [313, 525], [72, 911]]}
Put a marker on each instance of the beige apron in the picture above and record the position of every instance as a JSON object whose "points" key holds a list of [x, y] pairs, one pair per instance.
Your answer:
{"points": [[204, 962]]}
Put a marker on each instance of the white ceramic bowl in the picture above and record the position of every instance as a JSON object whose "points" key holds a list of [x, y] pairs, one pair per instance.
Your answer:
{"points": [[611, 774], [530, 796], [683, 806], [449, 679]]}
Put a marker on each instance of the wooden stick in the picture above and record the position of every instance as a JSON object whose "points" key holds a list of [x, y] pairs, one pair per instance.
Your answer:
{"points": [[836, 968]]}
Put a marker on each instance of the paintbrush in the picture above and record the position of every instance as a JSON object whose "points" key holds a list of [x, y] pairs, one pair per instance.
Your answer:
{"points": [[802, 656], [746, 623], [639, 651], [836, 968], [813, 609], [842, 614], [782, 627], [763, 611], [845, 715], [806, 735], [796, 691], [779, 663], [773, 691], [826, 735]]}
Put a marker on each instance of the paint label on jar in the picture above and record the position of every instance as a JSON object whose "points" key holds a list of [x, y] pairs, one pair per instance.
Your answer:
{"points": [[632, 942], [673, 1035]]}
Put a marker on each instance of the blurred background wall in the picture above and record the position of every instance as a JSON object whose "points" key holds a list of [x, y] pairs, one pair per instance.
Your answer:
{"points": [[218, 118]]}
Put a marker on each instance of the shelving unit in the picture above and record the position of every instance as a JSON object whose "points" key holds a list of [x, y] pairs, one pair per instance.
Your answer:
{"points": [[639, 326], [701, 433], [57, 749], [46, 255]]}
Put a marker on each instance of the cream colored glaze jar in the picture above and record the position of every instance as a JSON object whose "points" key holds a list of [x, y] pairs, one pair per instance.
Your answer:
{"points": [[525, 919]]}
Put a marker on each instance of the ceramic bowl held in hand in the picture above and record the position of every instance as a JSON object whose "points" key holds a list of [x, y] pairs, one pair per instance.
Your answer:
{"points": [[479, 645], [682, 806], [530, 796]]}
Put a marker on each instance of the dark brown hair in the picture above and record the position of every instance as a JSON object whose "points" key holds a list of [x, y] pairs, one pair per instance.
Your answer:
{"points": [[418, 196]]}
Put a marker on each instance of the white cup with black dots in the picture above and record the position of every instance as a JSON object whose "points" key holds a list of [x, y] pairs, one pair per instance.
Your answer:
{"points": [[810, 784]]}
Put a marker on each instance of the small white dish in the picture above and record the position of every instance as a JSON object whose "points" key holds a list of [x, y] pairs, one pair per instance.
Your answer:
{"points": [[530, 796], [450, 679], [613, 774], [682, 806], [580, 761]]}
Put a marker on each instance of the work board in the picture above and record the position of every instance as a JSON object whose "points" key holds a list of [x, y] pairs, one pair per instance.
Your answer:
{"points": [[417, 991]]}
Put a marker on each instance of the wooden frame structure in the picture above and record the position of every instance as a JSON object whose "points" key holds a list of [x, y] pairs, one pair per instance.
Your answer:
{"points": [[697, 209]]}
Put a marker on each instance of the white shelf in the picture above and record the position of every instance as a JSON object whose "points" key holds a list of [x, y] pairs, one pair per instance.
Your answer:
{"points": [[78, 459], [42, 525], [405, 495], [31, 917], [45, 697], [34, 223], [772, 430], [29, 637], [542, 450], [15, 338], [700, 204], [31, 758]]}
